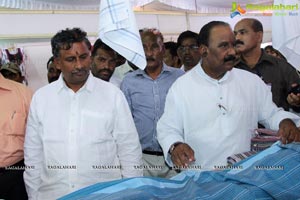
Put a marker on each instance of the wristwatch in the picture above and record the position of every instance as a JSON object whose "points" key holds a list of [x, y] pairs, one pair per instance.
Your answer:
{"points": [[173, 147]]}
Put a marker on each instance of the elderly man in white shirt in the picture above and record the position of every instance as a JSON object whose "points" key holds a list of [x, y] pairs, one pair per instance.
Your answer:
{"points": [[80, 130], [211, 112]]}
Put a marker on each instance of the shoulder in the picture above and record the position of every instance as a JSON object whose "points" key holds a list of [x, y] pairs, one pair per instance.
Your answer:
{"points": [[175, 71], [104, 85], [244, 74], [43, 91], [132, 76], [20, 89]]}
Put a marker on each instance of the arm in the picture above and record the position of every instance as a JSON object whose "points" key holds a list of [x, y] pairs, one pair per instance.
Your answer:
{"points": [[32, 154], [170, 131], [128, 145]]}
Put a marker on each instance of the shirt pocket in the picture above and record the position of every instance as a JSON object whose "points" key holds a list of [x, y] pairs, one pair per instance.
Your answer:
{"points": [[17, 124], [97, 141], [97, 126]]}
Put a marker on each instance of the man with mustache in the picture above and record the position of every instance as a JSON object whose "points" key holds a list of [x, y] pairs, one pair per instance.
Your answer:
{"points": [[211, 112], [146, 91], [188, 50], [80, 130], [279, 75], [104, 61]]}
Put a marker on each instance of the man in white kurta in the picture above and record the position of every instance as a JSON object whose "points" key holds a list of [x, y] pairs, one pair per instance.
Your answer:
{"points": [[214, 114], [77, 139], [80, 130]]}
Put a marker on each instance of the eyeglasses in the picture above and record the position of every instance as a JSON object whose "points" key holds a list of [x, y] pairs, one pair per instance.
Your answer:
{"points": [[182, 49]]}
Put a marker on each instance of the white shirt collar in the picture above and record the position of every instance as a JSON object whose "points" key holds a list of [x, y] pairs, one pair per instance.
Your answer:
{"points": [[88, 85]]}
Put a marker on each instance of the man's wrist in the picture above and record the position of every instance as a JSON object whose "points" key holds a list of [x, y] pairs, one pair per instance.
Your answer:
{"points": [[173, 146]]}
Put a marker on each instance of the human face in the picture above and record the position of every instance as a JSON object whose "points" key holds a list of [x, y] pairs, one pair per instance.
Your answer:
{"points": [[246, 39], [219, 56], [154, 51], [188, 52], [168, 58], [53, 73], [74, 64], [104, 64]]}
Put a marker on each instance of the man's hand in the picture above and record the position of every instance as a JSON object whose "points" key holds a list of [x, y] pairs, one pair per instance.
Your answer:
{"points": [[294, 98], [182, 155], [288, 131]]}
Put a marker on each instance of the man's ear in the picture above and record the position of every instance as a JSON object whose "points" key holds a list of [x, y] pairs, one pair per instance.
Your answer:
{"points": [[203, 50], [260, 36], [57, 63]]}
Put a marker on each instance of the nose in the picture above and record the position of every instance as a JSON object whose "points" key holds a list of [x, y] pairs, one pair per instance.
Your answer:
{"points": [[78, 64], [237, 36], [148, 52], [106, 65], [232, 51]]}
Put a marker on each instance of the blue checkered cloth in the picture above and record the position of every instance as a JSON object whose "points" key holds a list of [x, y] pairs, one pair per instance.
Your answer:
{"points": [[118, 29], [270, 174]]}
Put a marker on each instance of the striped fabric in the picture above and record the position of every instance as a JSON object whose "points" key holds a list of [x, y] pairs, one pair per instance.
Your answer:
{"points": [[271, 174], [238, 157], [118, 29], [263, 139]]}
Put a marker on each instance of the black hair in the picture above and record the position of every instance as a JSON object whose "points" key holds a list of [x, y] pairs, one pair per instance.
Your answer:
{"points": [[256, 25], [99, 44], [172, 46], [51, 59], [187, 34], [206, 29], [65, 38]]}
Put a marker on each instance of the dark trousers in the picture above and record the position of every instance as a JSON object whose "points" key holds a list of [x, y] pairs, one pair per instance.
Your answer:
{"points": [[12, 185]]}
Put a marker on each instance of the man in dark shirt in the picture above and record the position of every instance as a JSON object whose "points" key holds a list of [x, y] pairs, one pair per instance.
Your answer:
{"points": [[276, 73]]}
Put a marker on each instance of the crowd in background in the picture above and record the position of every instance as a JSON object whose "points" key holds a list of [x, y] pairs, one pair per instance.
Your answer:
{"points": [[102, 118]]}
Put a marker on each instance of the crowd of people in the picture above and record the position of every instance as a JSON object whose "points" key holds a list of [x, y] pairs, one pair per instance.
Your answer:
{"points": [[101, 118]]}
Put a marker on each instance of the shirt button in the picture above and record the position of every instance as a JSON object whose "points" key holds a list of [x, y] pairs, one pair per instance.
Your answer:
{"points": [[72, 186]]}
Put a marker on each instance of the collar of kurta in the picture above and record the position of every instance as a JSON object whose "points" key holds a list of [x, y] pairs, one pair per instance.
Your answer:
{"points": [[202, 73], [88, 85]]}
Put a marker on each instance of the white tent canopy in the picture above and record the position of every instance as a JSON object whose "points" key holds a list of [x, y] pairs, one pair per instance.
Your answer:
{"points": [[198, 6]]}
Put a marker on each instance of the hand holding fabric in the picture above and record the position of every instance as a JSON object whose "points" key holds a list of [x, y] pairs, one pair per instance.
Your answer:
{"points": [[288, 131], [182, 155]]}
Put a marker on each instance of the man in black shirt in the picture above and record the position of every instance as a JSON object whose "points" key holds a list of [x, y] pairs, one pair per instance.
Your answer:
{"points": [[276, 73]]}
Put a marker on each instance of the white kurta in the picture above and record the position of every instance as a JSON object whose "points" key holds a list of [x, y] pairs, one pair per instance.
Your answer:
{"points": [[216, 117], [77, 139]]}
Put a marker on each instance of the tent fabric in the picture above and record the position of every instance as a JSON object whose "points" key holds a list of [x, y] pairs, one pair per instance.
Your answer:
{"points": [[198, 6], [271, 174]]}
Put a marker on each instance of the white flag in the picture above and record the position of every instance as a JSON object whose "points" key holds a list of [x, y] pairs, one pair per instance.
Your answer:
{"points": [[119, 31]]}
